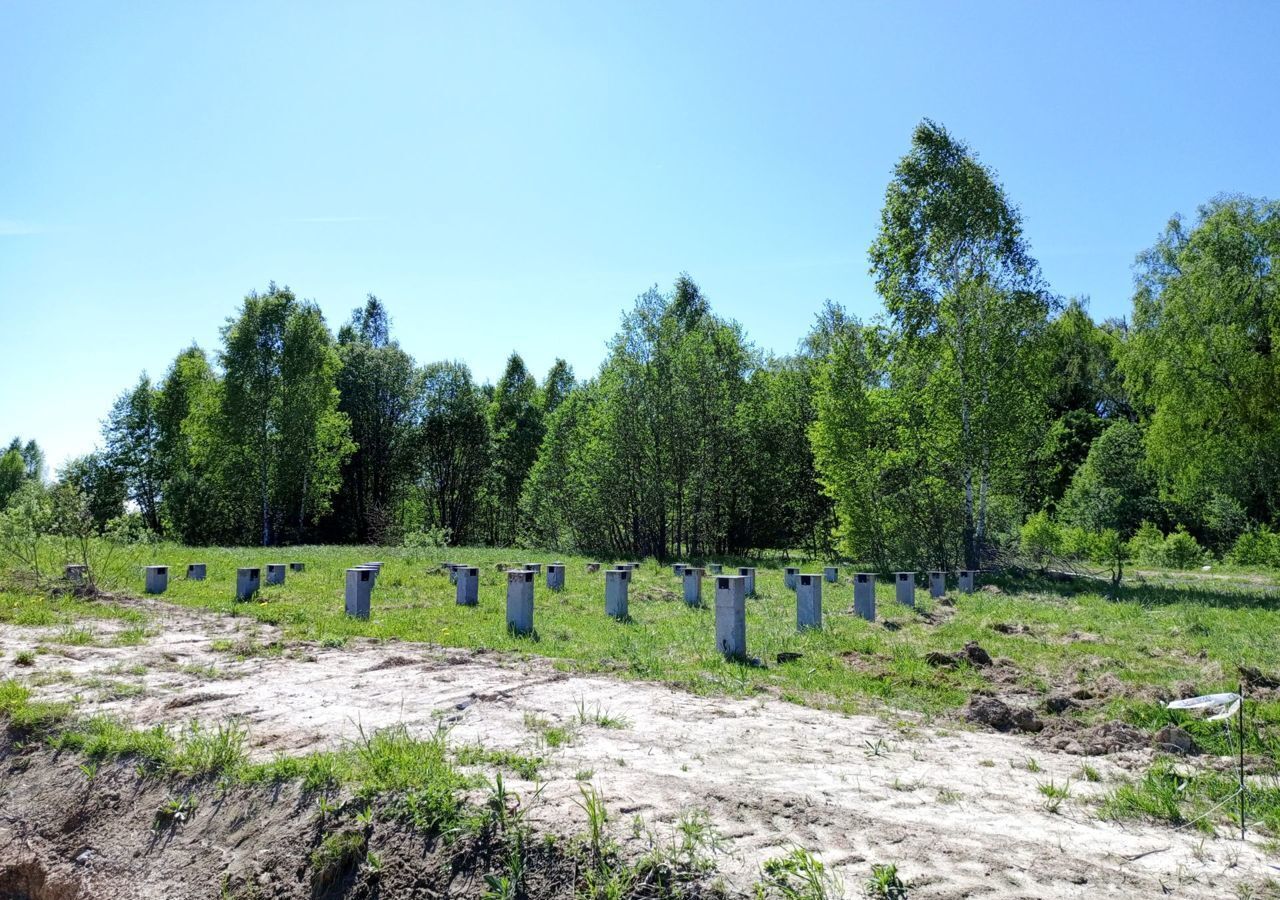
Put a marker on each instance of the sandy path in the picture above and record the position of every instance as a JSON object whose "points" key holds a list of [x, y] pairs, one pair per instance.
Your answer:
{"points": [[957, 810]]}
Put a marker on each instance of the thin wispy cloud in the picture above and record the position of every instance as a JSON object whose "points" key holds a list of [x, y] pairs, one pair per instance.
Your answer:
{"points": [[330, 220]]}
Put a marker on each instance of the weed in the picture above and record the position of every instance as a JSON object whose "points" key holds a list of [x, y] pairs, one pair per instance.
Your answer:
{"points": [[25, 658], [1054, 794], [527, 767], [174, 812], [600, 717], [885, 883], [799, 875], [338, 854], [879, 748], [1089, 773]]}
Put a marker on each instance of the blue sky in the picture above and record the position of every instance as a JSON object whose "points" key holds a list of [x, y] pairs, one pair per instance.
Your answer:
{"points": [[510, 176]]}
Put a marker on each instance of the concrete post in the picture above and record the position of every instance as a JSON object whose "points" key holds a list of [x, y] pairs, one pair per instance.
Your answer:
{"points": [[196, 571], [905, 584], [452, 569], [748, 573], [593, 567], [677, 569], [831, 574], [967, 577], [616, 583], [789, 576], [275, 573], [359, 593], [937, 583], [76, 574], [373, 568], [864, 596], [535, 568], [731, 615], [467, 578], [520, 601], [376, 565], [297, 567], [715, 568], [555, 577], [247, 583], [157, 579], [693, 585], [808, 602]]}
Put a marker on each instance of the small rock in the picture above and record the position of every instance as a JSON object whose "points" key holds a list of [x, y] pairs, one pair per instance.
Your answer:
{"points": [[941, 660], [991, 589], [946, 601], [787, 656], [85, 857], [1206, 568], [1173, 739]]}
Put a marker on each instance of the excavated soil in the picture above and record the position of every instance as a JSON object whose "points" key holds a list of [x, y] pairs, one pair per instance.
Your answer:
{"points": [[960, 811]]}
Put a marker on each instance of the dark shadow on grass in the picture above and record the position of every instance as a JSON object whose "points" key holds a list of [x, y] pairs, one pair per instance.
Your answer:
{"points": [[1147, 593]]}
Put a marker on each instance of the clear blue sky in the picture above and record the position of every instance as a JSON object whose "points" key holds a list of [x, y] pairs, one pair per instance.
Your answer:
{"points": [[511, 176]]}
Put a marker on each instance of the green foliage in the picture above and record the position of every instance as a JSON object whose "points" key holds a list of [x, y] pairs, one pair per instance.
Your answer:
{"points": [[1113, 488], [1147, 545], [965, 309], [799, 875], [1202, 357], [1181, 551], [1040, 539], [451, 449], [279, 421], [1256, 547], [12, 474], [379, 390]]}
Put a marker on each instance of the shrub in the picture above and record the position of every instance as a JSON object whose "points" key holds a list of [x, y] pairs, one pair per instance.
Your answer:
{"points": [[1076, 542], [1040, 538], [431, 538], [1181, 550], [1147, 545], [1256, 547]]}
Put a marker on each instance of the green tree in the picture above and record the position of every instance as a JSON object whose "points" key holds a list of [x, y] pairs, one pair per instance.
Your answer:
{"points": [[99, 484], [131, 434], [451, 448], [379, 391], [1203, 359], [12, 473], [515, 424], [558, 385], [1114, 487], [966, 308], [279, 410]]}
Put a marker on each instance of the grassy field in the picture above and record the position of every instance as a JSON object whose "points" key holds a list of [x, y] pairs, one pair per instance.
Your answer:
{"points": [[1163, 636]]}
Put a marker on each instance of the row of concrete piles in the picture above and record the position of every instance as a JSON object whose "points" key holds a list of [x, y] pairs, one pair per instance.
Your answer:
{"points": [[156, 578]]}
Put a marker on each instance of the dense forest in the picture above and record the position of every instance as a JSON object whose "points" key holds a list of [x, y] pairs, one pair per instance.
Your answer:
{"points": [[981, 412]]}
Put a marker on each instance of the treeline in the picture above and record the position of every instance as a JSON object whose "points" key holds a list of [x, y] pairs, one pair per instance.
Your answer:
{"points": [[979, 402]]}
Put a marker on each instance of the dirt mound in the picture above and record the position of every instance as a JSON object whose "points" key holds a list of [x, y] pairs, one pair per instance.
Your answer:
{"points": [[107, 840], [995, 713], [972, 654], [1106, 738]]}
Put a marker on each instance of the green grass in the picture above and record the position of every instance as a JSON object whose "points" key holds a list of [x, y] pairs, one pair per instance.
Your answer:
{"points": [[849, 665], [1165, 630]]}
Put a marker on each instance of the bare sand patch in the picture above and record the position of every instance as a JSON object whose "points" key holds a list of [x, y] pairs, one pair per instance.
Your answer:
{"points": [[960, 811]]}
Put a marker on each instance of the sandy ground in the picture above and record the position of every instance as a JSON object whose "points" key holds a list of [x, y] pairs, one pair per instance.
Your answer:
{"points": [[957, 810]]}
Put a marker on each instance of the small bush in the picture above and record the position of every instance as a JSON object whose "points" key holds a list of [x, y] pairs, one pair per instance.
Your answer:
{"points": [[1040, 538], [1181, 550], [1147, 545], [1256, 547]]}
